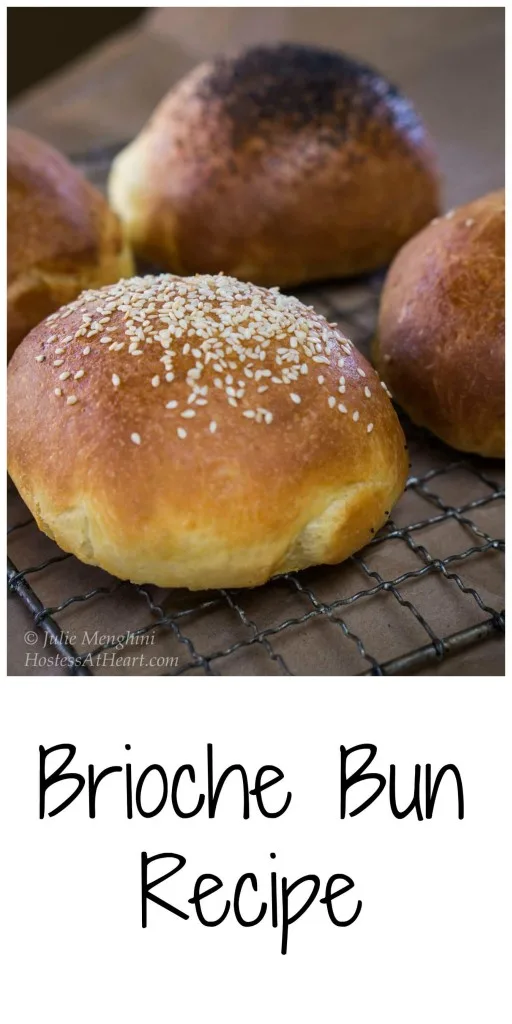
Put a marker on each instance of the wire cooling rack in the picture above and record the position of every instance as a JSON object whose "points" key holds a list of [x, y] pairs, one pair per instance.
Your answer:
{"points": [[428, 585]]}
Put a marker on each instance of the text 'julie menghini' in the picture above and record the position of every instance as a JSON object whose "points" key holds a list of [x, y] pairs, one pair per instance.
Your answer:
{"points": [[188, 792]]}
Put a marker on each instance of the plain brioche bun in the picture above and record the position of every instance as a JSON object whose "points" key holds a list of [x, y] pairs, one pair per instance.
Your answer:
{"points": [[199, 432], [441, 335], [61, 235], [278, 166]]}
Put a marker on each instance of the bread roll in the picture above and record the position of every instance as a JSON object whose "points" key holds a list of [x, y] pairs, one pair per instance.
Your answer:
{"points": [[61, 235], [278, 166], [441, 332], [199, 432]]}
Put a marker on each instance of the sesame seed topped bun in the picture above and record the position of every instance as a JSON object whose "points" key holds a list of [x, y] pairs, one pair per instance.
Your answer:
{"points": [[280, 165], [199, 432], [61, 235], [441, 332]]}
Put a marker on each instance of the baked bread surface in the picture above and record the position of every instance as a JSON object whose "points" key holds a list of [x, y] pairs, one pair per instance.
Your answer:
{"points": [[441, 333], [200, 432], [61, 235], [281, 165]]}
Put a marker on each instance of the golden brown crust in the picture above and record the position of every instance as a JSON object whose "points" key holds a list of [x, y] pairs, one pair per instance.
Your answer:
{"points": [[61, 235], [300, 468], [441, 333], [279, 166]]}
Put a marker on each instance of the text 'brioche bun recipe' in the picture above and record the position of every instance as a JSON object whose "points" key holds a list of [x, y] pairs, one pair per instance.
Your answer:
{"points": [[441, 334], [200, 432], [281, 165], [61, 235]]}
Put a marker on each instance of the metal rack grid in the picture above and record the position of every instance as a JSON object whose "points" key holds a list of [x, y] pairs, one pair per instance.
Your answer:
{"points": [[381, 607]]}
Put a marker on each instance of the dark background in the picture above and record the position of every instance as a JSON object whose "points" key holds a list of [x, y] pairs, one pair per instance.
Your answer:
{"points": [[67, 33]]}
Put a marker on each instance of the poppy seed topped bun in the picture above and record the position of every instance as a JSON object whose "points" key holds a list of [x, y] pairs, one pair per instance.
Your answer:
{"points": [[441, 332], [199, 432], [281, 165], [61, 235]]}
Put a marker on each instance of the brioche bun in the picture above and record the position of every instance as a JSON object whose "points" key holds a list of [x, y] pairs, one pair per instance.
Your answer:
{"points": [[278, 166], [61, 235], [441, 332], [199, 432]]}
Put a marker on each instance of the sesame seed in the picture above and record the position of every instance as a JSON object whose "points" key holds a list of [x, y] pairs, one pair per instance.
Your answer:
{"points": [[53, 337], [213, 427], [59, 351], [58, 362], [355, 416], [367, 392], [78, 374], [249, 414], [64, 375], [361, 372], [251, 338], [116, 380], [369, 428], [188, 413], [135, 438], [182, 433], [58, 392], [172, 404], [469, 222], [341, 407], [40, 359], [71, 400]]}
